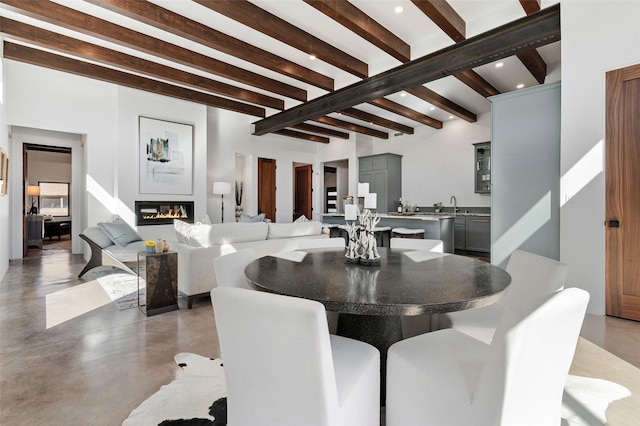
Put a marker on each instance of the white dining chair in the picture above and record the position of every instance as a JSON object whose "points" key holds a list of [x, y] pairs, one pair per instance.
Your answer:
{"points": [[229, 269], [309, 243], [532, 276], [418, 244], [282, 367], [451, 378]]}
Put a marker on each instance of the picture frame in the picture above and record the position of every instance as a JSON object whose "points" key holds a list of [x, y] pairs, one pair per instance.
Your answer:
{"points": [[165, 157], [4, 172]]}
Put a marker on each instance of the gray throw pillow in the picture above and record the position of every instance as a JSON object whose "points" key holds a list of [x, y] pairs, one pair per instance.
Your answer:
{"points": [[245, 218], [119, 232]]}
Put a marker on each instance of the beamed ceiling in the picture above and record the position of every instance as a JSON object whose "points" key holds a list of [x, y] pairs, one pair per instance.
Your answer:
{"points": [[306, 69]]}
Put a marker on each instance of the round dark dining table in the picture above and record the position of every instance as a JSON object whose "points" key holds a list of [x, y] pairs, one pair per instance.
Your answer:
{"points": [[371, 299]]}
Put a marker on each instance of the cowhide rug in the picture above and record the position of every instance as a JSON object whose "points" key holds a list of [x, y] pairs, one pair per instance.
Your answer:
{"points": [[197, 397]]}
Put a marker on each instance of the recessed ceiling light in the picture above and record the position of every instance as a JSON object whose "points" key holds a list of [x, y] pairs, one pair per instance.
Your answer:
{"points": [[520, 86], [432, 108], [499, 64], [403, 94], [398, 9], [450, 117], [312, 57]]}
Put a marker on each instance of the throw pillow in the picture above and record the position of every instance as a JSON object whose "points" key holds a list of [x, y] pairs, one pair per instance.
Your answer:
{"points": [[183, 230], [245, 218], [119, 232], [302, 218], [204, 220], [96, 235]]}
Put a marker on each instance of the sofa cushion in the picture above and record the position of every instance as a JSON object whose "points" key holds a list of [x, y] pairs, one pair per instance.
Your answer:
{"points": [[300, 229], [96, 235], [119, 232], [226, 233]]}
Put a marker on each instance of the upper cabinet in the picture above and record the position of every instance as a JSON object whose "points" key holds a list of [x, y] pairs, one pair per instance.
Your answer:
{"points": [[482, 167], [383, 172]]}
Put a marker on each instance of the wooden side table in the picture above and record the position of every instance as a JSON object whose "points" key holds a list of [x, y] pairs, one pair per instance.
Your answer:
{"points": [[160, 273]]}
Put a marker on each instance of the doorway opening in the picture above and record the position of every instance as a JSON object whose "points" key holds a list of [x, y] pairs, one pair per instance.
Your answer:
{"points": [[302, 190], [336, 186]]}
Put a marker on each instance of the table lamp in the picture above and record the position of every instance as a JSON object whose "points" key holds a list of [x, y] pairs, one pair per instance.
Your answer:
{"points": [[33, 190], [222, 189]]}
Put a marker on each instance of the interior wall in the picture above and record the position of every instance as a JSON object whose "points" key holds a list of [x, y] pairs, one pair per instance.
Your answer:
{"points": [[437, 164], [597, 37], [5, 234]]}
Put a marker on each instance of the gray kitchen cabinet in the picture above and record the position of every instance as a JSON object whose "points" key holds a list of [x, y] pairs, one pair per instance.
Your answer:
{"points": [[478, 234], [383, 172], [460, 233]]}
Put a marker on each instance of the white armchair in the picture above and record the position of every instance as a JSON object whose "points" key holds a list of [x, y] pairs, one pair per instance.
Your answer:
{"points": [[283, 368], [450, 378], [229, 269], [532, 276]]}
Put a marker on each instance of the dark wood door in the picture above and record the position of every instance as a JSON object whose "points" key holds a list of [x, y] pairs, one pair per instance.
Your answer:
{"points": [[622, 199], [303, 191], [267, 187]]}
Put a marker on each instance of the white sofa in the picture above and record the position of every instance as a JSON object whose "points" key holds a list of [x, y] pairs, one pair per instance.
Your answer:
{"points": [[197, 245]]}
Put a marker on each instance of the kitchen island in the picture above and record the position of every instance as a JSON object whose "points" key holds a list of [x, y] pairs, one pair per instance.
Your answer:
{"points": [[436, 226]]}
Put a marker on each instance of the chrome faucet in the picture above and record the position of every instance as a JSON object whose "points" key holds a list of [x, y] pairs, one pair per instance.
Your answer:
{"points": [[454, 202]]}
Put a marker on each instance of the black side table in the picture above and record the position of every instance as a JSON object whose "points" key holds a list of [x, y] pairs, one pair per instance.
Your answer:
{"points": [[160, 273]]}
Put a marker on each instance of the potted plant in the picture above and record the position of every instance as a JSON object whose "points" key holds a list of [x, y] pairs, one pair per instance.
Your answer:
{"points": [[438, 206]]}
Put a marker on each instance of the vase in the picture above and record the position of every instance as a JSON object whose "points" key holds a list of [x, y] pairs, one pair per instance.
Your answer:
{"points": [[239, 212], [159, 246]]}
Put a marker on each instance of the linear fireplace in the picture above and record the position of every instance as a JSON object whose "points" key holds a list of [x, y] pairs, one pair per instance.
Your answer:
{"points": [[163, 212]]}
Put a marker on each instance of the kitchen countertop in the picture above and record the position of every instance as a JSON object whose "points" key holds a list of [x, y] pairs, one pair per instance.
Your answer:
{"points": [[418, 215]]}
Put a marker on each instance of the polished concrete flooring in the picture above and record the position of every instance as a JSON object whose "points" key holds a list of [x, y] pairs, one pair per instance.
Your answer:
{"points": [[68, 356]]}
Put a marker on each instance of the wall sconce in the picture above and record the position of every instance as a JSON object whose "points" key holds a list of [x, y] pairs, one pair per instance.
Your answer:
{"points": [[222, 189], [33, 190]]}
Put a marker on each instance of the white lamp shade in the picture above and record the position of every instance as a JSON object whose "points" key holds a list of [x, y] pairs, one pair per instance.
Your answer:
{"points": [[350, 212], [363, 189], [221, 188], [371, 201]]}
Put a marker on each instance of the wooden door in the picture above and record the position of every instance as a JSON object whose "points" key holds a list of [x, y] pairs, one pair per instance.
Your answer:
{"points": [[267, 187], [303, 190], [622, 196]]}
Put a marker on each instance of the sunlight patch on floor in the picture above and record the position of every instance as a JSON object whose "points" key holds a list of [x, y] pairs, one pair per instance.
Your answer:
{"points": [[73, 302]]}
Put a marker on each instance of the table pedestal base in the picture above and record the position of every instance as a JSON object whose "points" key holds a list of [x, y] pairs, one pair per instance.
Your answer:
{"points": [[378, 331]]}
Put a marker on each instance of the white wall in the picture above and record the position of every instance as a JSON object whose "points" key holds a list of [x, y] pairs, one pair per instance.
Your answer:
{"points": [[437, 164], [597, 36]]}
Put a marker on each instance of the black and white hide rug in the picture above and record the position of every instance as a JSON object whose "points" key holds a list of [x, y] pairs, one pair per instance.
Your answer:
{"points": [[197, 397]]}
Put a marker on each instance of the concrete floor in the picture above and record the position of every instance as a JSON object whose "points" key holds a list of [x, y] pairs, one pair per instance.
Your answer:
{"points": [[68, 356]]}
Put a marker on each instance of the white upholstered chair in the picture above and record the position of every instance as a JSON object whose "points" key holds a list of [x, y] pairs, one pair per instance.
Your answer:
{"points": [[229, 269], [418, 244], [416, 324], [282, 366], [450, 378], [308, 243], [532, 276]]}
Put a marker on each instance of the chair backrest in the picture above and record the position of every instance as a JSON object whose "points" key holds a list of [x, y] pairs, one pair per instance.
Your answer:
{"points": [[418, 244], [277, 358], [523, 379], [532, 276], [309, 243], [229, 269]]}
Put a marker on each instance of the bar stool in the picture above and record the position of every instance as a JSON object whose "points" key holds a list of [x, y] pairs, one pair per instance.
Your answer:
{"points": [[380, 232], [407, 233]]}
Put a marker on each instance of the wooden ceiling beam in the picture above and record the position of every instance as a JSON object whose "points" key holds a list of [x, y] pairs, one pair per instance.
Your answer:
{"points": [[507, 40], [89, 25], [477, 83], [352, 127], [41, 58], [531, 59], [441, 102], [321, 130], [259, 19], [530, 6], [169, 21], [61, 43], [406, 112], [301, 135], [354, 19], [374, 119], [445, 17]]}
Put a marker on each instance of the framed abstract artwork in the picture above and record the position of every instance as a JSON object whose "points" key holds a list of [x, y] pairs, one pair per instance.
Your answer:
{"points": [[166, 157]]}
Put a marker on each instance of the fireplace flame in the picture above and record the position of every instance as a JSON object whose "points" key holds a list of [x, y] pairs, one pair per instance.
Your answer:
{"points": [[178, 214]]}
